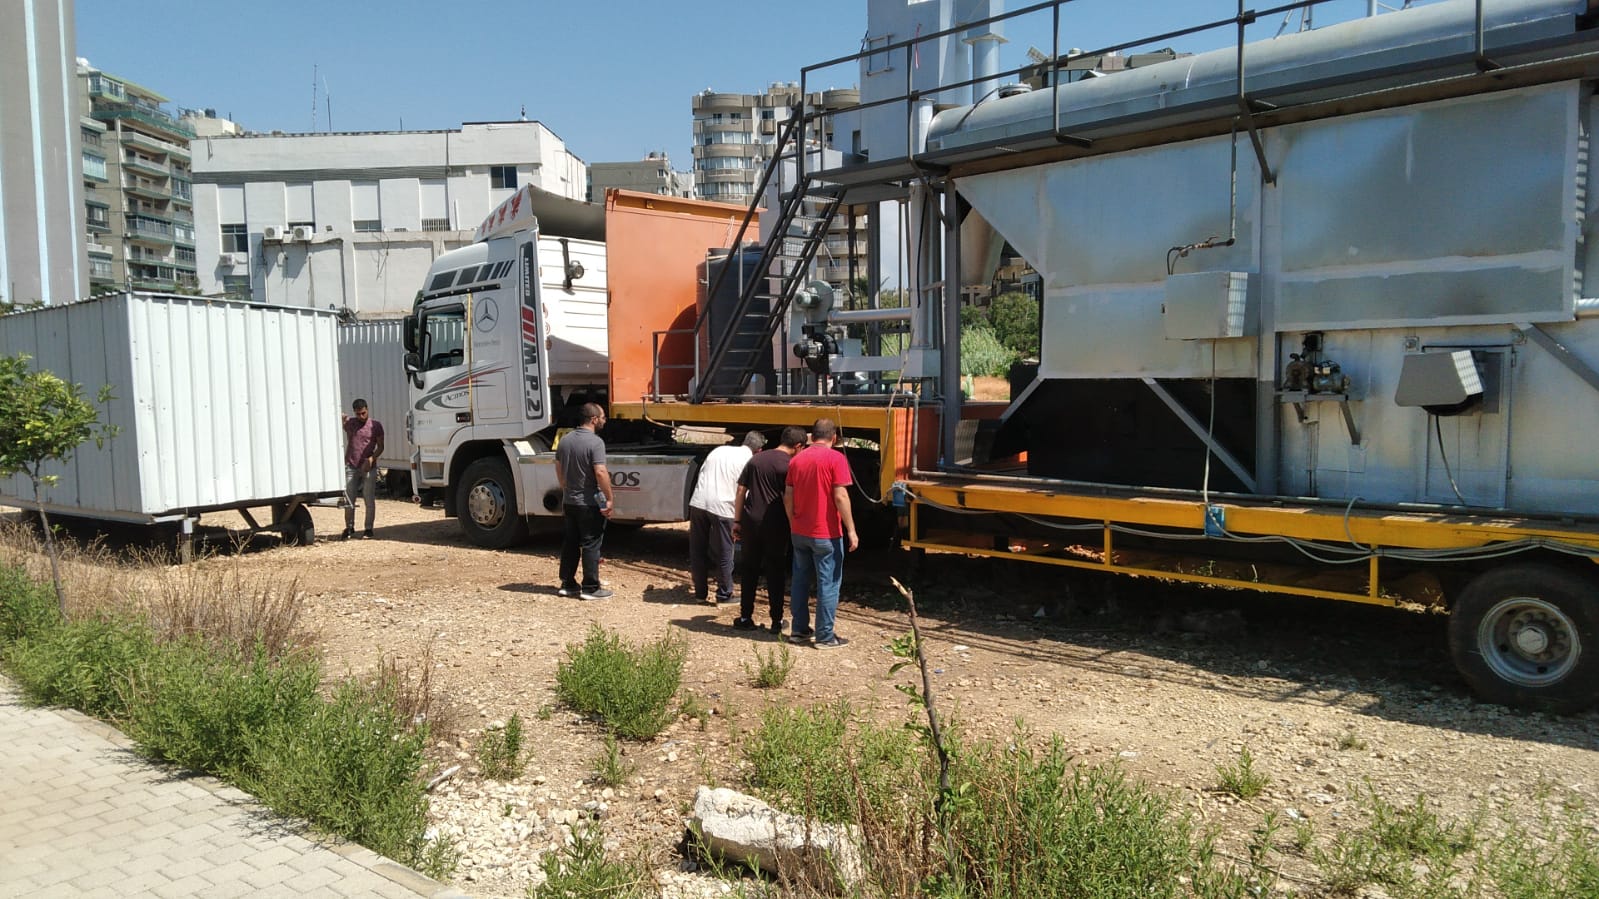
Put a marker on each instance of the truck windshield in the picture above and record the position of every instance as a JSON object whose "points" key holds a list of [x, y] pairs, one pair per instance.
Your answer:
{"points": [[443, 337]]}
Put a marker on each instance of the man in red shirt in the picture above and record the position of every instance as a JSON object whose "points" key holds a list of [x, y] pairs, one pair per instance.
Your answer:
{"points": [[816, 497], [363, 446]]}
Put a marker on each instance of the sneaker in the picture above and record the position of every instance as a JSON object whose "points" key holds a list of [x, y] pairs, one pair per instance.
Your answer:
{"points": [[348, 533], [805, 634], [600, 593], [776, 627], [366, 534], [744, 624], [832, 642], [569, 591]]}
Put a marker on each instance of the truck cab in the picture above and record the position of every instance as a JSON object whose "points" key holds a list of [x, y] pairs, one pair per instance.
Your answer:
{"points": [[506, 340]]}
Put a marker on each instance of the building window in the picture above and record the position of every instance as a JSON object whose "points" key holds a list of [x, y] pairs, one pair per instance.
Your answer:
{"points": [[435, 224], [237, 287], [293, 225], [368, 225], [235, 239], [502, 176]]}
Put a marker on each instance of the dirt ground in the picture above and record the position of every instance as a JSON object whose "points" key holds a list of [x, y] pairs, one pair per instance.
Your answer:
{"points": [[1170, 682]]}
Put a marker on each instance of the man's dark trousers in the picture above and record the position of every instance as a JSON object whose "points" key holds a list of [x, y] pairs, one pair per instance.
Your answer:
{"points": [[585, 532], [766, 547]]}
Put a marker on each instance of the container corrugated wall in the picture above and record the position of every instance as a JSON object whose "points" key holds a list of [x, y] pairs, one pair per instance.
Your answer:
{"points": [[218, 404], [372, 367]]}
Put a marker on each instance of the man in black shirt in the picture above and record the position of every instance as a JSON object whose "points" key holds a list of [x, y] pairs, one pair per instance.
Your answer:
{"points": [[760, 523], [586, 495]]}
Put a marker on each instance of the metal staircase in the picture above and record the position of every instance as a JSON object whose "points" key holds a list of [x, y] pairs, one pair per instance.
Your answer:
{"points": [[738, 341]]}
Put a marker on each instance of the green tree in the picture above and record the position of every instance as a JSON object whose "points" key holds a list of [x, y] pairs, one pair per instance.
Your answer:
{"points": [[44, 419], [1015, 320]]}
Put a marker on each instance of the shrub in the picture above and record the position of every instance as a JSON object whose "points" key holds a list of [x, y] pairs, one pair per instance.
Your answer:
{"points": [[771, 669], [983, 354], [500, 751], [580, 870], [84, 664], [26, 606], [354, 767], [1015, 321], [205, 709], [610, 768], [1029, 823], [808, 761], [1240, 777], [630, 689]]}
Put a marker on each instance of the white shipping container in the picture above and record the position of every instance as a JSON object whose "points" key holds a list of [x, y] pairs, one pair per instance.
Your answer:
{"points": [[219, 404], [372, 367]]}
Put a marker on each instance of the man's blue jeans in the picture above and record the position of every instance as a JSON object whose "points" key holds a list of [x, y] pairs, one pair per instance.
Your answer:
{"points": [[820, 559]]}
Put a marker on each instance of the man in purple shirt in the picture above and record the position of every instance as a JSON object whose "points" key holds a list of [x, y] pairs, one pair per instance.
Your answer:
{"points": [[363, 444]]}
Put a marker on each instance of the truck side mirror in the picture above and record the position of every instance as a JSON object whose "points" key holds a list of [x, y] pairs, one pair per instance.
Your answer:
{"points": [[408, 331], [413, 367]]}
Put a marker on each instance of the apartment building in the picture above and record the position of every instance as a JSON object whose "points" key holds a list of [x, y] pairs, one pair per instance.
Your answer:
{"points": [[353, 220], [735, 138], [42, 255], [652, 175], [138, 190]]}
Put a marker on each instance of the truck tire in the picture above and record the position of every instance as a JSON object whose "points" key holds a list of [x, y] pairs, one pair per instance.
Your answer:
{"points": [[299, 530], [1528, 636], [486, 505]]}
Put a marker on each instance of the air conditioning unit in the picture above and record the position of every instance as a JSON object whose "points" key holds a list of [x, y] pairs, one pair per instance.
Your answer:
{"points": [[304, 233], [275, 233], [231, 259]]}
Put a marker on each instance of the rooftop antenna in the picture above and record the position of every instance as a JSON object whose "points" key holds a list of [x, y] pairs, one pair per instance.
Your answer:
{"points": [[313, 98], [327, 96], [524, 113]]}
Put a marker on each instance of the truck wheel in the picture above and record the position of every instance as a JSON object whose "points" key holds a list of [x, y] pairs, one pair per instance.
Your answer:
{"points": [[486, 505], [1528, 636], [299, 530]]}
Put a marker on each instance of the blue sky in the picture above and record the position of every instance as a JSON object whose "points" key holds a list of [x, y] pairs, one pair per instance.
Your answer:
{"points": [[613, 78]]}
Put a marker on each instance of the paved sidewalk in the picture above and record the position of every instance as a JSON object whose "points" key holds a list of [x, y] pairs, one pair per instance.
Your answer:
{"points": [[82, 815]]}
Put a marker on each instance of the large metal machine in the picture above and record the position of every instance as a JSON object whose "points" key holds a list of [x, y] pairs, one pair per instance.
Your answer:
{"points": [[1316, 317]]}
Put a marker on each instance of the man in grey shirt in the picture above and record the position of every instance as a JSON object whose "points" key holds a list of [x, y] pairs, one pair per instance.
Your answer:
{"points": [[587, 501]]}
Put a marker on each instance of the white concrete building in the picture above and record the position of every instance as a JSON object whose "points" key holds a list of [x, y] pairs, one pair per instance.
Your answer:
{"points": [[353, 220], [42, 239]]}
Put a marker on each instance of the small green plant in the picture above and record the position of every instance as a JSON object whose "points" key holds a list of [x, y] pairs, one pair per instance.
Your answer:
{"points": [[546, 711], [1240, 777], [771, 669], [1408, 849], [629, 688], [580, 870], [1350, 741], [809, 761], [83, 664], [499, 753], [693, 707], [1557, 857], [610, 768]]}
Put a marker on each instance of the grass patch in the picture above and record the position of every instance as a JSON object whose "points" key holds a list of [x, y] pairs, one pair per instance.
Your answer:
{"points": [[610, 768], [810, 761], [1407, 849], [628, 688], [1240, 778], [581, 870], [771, 669], [1351, 742], [499, 753], [205, 696]]}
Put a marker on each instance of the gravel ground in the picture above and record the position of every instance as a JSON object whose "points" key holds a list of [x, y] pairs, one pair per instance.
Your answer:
{"points": [[1169, 682]]}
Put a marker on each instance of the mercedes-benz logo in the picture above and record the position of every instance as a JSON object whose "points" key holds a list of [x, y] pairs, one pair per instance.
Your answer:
{"points": [[486, 314]]}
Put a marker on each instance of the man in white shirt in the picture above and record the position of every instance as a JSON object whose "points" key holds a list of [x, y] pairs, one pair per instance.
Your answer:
{"points": [[710, 516]]}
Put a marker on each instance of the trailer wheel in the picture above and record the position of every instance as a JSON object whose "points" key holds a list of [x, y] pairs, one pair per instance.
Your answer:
{"points": [[486, 505], [1528, 636], [299, 530]]}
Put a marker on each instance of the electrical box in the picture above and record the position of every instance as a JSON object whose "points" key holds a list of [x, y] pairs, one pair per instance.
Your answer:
{"points": [[1211, 305]]}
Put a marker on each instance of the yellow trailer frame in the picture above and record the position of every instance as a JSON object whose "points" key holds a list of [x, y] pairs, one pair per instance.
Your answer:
{"points": [[1373, 537]]}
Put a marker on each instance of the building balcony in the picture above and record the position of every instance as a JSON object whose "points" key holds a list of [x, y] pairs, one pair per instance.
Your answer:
{"points": [[100, 272], [154, 283], [97, 249], [146, 166], [94, 168], [162, 123], [158, 233], [148, 190], [723, 102], [100, 226]]}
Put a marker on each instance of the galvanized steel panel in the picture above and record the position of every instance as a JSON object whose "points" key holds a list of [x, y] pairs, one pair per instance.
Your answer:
{"points": [[1460, 211], [372, 367], [219, 404]]}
